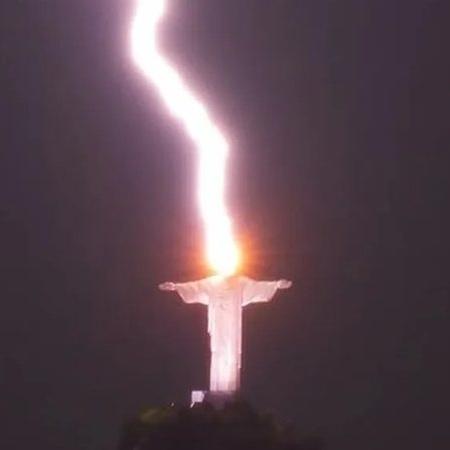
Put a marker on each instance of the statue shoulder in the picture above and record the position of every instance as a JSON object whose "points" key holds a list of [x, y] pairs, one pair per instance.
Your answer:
{"points": [[244, 280]]}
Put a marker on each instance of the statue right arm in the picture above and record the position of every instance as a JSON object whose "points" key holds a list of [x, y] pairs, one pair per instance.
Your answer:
{"points": [[190, 292]]}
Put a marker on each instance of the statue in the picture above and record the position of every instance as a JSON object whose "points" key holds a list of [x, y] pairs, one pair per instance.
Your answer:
{"points": [[225, 298]]}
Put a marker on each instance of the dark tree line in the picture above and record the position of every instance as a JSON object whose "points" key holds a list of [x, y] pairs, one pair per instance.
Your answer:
{"points": [[235, 427]]}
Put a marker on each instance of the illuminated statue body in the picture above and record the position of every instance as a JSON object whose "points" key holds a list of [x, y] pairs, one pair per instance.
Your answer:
{"points": [[225, 298]]}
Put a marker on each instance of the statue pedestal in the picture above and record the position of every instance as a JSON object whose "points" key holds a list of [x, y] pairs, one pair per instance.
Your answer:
{"points": [[218, 399]]}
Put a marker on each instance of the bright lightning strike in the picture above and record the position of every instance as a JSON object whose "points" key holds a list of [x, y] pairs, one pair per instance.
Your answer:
{"points": [[221, 249]]}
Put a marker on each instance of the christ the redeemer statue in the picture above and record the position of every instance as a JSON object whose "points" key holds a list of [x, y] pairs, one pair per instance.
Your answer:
{"points": [[225, 298]]}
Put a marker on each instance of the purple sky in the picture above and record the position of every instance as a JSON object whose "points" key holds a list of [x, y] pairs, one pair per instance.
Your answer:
{"points": [[337, 113]]}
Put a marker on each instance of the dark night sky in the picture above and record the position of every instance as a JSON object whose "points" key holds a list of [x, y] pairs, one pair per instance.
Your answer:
{"points": [[337, 112]]}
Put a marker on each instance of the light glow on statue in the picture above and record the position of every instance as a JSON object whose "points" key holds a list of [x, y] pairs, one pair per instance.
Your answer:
{"points": [[225, 297], [221, 249]]}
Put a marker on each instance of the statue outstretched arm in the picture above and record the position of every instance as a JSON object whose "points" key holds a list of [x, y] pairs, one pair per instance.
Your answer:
{"points": [[262, 291], [190, 292]]}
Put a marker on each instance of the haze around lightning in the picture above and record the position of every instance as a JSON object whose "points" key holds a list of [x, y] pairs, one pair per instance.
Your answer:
{"points": [[212, 148]]}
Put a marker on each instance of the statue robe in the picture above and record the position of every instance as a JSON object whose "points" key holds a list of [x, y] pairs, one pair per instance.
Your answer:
{"points": [[225, 298]]}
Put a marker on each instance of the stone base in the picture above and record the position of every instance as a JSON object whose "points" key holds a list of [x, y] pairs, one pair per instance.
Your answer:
{"points": [[218, 399]]}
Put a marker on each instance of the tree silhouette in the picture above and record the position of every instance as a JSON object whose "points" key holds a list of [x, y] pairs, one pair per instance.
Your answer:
{"points": [[235, 427]]}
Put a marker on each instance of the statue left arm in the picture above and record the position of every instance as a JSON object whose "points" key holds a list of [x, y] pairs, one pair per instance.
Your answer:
{"points": [[262, 291]]}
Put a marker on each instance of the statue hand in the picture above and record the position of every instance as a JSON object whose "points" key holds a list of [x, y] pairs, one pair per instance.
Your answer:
{"points": [[167, 286], [284, 284]]}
